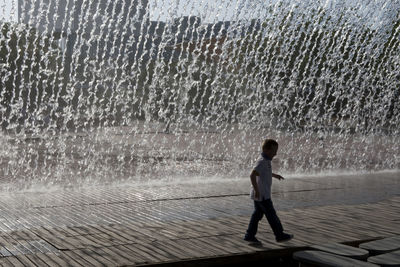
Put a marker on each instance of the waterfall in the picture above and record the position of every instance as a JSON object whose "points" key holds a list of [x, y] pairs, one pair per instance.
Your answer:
{"points": [[101, 92]]}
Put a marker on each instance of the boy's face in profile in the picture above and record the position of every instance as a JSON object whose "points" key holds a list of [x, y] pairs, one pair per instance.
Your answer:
{"points": [[271, 152]]}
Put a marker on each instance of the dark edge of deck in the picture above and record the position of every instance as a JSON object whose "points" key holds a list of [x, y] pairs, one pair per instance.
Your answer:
{"points": [[232, 260], [257, 257]]}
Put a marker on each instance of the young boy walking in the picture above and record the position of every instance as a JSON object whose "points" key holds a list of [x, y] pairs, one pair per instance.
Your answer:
{"points": [[261, 180]]}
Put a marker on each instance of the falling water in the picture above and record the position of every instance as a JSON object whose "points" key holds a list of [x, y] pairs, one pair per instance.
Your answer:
{"points": [[100, 92]]}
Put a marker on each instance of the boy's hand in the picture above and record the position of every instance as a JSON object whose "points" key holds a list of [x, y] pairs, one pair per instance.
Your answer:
{"points": [[277, 176], [256, 194]]}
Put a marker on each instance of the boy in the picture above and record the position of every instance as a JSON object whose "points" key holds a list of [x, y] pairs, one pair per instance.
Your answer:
{"points": [[261, 180]]}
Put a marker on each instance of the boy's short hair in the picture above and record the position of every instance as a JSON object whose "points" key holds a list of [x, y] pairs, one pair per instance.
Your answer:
{"points": [[268, 144]]}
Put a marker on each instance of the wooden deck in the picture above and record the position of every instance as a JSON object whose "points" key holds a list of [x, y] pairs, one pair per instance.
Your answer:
{"points": [[187, 225], [211, 241]]}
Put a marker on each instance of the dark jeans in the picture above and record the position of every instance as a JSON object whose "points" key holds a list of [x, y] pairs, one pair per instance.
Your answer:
{"points": [[266, 208]]}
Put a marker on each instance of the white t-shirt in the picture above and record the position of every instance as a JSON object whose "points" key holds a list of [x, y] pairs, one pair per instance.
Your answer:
{"points": [[264, 181]]}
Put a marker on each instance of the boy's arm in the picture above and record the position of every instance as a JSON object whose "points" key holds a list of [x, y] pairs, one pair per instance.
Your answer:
{"points": [[253, 178], [277, 176]]}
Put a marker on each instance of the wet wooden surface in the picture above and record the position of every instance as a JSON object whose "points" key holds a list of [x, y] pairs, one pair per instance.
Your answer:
{"points": [[157, 242], [186, 223]]}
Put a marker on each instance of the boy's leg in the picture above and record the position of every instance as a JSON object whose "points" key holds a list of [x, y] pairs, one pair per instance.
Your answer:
{"points": [[272, 217], [255, 218]]}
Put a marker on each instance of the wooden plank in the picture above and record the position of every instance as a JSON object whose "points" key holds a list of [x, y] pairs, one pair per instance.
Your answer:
{"points": [[4, 252], [115, 258], [24, 234], [136, 257], [57, 260], [115, 236], [161, 251], [134, 232], [80, 241], [331, 233], [25, 247], [321, 258], [111, 239], [54, 238], [172, 248], [188, 230], [150, 255], [187, 251], [4, 262], [221, 244], [204, 249], [82, 230], [225, 243], [384, 227], [80, 258], [25, 261], [7, 245], [237, 223], [97, 240], [125, 254], [342, 250], [382, 245], [387, 259], [12, 261], [42, 246], [36, 260], [204, 228], [171, 253], [171, 231], [241, 245], [94, 254], [57, 231]]}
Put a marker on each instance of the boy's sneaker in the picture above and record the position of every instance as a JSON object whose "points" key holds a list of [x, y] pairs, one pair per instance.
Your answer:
{"points": [[252, 240], [284, 237]]}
